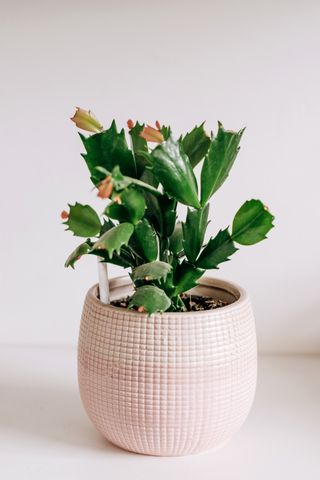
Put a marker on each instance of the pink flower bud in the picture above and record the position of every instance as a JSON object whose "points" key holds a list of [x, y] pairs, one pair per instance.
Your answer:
{"points": [[86, 120], [130, 124], [150, 134], [64, 215], [105, 188], [158, 125]]}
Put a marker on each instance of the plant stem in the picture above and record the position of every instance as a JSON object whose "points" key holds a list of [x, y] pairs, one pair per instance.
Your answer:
{"points": [[144, 185], [182, 305]]}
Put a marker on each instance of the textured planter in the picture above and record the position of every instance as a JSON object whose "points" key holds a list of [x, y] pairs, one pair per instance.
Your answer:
{"points": [[171, 383]]}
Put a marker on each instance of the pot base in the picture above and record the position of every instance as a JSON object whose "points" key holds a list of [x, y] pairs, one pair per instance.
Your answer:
{"points": [[195, 453]]}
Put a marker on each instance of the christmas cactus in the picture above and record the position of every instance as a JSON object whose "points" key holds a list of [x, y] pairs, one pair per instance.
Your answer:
{"points": [[140, 188]]}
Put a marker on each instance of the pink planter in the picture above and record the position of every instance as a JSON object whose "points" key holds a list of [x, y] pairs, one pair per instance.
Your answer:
{"points": [[171, 383]]}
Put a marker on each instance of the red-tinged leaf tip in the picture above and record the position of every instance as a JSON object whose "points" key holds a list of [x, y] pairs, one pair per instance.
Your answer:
{"points": [[64, 215], [158, 125], [130, 124], [151, 134], [105, 188]]}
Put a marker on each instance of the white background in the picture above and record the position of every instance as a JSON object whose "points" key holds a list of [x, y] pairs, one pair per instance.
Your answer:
{"points": [[246, 63]]}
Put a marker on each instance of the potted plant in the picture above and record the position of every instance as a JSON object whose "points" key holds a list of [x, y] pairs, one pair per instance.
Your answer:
{"points": [[167, 356]]}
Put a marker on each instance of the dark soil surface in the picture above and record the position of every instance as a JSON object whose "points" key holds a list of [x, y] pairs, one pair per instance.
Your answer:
{"points": [[197, 303], [193, 303]]}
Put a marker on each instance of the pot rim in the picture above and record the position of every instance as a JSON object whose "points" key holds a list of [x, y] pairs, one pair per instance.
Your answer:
{"points": [[123, 281]]}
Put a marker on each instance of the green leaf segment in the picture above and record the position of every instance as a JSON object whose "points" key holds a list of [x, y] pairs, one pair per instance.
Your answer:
{"points": [[152, 271], [139, 228], [108, 149], [217, 250], [219, 161], [151, 298], [129, 207], [194, 230], [251, 223], [114, 239], [196, 144], [144, 241], [83, 221], [82, 249], [172, 168], [140, 147]]}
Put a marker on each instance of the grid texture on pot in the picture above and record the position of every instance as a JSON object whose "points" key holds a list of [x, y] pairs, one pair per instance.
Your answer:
{"points": [[167, 384]]}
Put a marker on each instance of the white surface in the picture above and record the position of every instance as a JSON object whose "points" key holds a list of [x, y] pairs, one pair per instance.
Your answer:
{"points": [[243, 62], [46, 434]]}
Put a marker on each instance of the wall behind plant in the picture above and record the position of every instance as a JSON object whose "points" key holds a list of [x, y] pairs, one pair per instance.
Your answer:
{"points": [[242, 62]]}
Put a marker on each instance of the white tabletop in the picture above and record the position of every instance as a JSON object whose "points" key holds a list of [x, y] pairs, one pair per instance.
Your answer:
{"points": [[45, 434]]}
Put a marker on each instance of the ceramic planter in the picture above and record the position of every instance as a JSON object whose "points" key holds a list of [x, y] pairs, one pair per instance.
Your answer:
{"points": [[171, 383]]}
